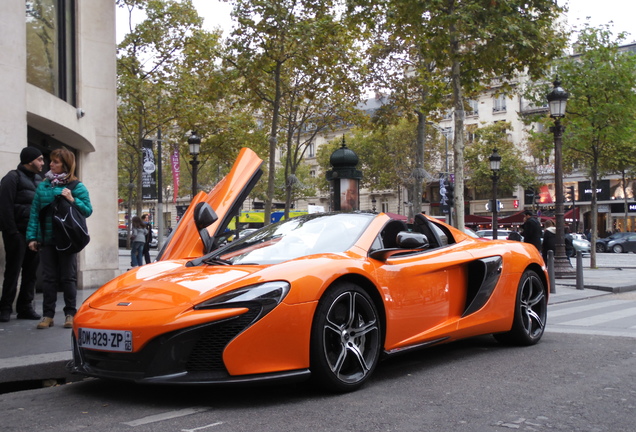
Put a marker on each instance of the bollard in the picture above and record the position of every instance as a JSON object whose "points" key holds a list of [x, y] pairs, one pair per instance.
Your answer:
{"points": [[579, 270], [551, 272]]}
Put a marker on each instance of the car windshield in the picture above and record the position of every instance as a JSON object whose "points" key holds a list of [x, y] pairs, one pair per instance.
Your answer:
{"points": [[296, 237]]}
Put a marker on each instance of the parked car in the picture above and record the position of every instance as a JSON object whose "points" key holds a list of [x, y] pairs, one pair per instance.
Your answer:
{"points": [[502, 234], [323, 295], [580, 243], [155, 239], [625, 243], [601, 244], [123, 237]]}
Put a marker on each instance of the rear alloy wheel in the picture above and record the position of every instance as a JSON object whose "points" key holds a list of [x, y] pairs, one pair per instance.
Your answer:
{"points": [[600, 247], [531, 310], [346, 338], [617, 248]]}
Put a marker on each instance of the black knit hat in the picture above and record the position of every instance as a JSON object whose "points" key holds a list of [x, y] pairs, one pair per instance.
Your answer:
{"points": [[29, 154]]}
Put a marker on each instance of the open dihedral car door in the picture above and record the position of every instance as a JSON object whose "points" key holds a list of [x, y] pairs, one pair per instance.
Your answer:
{"points": [[226, 199]]}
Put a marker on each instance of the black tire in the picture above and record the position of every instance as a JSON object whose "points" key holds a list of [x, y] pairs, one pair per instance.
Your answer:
{"points": [[346, 338], [600, 247], [617, 248], [531, 310]]}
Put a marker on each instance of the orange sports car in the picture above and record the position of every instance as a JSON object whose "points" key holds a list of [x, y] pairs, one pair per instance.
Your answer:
{"points": [[324, 295]]}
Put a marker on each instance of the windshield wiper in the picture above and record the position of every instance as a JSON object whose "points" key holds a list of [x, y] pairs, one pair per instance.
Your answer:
{"points": [[207, 259], [215, 260]]}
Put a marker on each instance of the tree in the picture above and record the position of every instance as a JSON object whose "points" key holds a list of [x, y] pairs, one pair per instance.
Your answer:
{"points": [[514, 169], [386, 155], [601, 112], [291, 56], [400, 68], [171, 83], [472, 43], [147, 59]]}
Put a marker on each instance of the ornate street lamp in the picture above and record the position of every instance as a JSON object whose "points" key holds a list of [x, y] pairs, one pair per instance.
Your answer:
{"points": [[557, 99], [194, 142], [495, 165]]}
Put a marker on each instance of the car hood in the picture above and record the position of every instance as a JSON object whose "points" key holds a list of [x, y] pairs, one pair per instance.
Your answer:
{"points": [[166, 285], [226, 199]]}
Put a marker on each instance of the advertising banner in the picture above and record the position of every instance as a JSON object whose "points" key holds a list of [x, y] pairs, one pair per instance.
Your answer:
{"points": [[176, 172], [149, 172]]}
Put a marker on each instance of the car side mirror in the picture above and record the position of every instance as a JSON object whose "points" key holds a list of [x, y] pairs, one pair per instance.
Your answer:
{"points": [[204, 216]]}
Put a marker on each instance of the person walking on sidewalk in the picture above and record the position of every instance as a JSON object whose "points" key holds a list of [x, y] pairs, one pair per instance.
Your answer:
{"points": [[58, 268], [16, 195], [138, 238], [146, 253]]}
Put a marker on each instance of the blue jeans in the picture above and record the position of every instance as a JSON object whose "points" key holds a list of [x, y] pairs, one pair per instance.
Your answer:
{"points": [[137, 254]]}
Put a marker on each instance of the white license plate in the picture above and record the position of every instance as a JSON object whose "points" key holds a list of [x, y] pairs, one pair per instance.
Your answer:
{"points": [[105, 340]]}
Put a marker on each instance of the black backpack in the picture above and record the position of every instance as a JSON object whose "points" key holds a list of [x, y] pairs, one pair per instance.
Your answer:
{"points": [[70, 234]]}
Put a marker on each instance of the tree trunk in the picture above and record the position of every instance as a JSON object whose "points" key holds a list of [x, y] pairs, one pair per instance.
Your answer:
{"points": [[458, 144], [273, 140]]}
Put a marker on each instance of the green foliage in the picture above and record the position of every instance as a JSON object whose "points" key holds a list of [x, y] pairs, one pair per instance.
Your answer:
{"points": [[295, 62], [386, 155], [170, 80], [513, 170]]}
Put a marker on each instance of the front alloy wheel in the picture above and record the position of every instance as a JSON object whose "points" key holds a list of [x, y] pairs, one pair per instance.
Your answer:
{"points": [[531, 311], [346, 338]]}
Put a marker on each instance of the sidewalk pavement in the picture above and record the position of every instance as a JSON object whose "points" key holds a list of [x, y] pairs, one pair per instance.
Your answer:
{"points": [[28, 355]]}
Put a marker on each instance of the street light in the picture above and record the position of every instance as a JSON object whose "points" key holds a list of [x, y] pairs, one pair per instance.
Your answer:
{"points": [[495, 165], [194, 142], [557, 100], [373, 203]]}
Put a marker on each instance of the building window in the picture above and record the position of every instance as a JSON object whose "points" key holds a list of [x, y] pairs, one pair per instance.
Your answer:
{"points": [[311, 149], [499, 103], [470, 133], [473, 107], [50, 28]]}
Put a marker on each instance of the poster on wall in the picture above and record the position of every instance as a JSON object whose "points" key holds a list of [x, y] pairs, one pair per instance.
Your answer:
{"points": [[149, 172]]}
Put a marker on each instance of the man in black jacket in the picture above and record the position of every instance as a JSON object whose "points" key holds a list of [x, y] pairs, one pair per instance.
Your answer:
{"points": [[532, 231], [16, 195]]}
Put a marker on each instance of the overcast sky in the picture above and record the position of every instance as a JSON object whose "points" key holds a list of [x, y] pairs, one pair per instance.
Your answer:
{"points": [[622, 13]]}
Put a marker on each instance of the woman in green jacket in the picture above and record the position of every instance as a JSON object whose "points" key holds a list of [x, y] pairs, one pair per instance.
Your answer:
{"points": [[58, 268]]}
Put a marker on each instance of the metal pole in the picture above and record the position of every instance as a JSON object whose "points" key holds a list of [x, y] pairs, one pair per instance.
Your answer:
{"points": [[195, 163], [550, 264], [495, 210], [579, 270], [562, 266], [159, 192]]}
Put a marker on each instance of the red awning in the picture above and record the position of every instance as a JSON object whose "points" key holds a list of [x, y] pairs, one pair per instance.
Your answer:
{"points": [[572, 215], [517, 218], [476, 220]]}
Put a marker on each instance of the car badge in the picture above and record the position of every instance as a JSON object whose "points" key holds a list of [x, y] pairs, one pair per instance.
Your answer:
{"points": [[124, 304]]}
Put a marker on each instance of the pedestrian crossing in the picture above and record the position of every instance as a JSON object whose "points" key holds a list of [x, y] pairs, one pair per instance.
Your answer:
{"points": [[600, 316]]}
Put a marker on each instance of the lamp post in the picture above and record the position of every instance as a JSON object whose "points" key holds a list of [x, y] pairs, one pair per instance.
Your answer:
{"points": [[194, 142], [495, 165], [373, 203], [557, 100]]}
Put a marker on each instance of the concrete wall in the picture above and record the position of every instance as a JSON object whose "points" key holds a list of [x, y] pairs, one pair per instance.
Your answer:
{"points": [[93, 134]]}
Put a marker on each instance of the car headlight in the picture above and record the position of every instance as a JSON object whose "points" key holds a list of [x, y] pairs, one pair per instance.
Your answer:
{"points": [[267, 295]]}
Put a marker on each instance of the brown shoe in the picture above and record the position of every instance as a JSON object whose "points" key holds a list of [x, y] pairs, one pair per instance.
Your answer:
{"points": [[45, 323], [68, 323]]}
